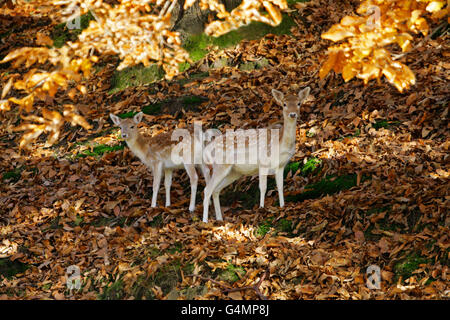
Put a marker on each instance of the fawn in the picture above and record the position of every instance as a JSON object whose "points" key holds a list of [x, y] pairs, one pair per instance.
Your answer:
{"points": [[156, 154], [223, 174]]}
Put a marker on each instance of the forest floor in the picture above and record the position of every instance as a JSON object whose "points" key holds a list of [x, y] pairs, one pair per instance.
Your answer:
{"points": [[368, 185]]}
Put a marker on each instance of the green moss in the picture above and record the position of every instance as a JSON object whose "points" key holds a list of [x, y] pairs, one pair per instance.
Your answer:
{"points": [[113, 292], [264, 227], [10, 268], [357, 133], [191, 292], [175, 248], [189, 268], [250, 198], [184, 66], [248, 66], [309, 167], [285, 226], [407, 266], [166, 278], [385, 124], [192, 77], [291, 167], [135, 76], [280, 226], [193, 100], [291, 2], [157, 221], [14, 175], [61, 34], [197, 45], [172, 106], [152, 108], [231, 273], [100, 150], [130, 114], [327, 186]]}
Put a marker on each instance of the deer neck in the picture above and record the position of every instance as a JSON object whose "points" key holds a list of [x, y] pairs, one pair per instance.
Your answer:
{"points": [[138, 146], [288, 136]]}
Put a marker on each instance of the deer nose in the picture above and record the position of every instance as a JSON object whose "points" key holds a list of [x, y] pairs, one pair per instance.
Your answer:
{"points": [[293, 115], [124, 135]]}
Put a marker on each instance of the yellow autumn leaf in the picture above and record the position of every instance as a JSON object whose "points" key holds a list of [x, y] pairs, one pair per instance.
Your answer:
{"points": [[274, 13], [282, 4], [369, 71], [43, 40], [422, 25], [188, 4], [7, 87], [31, 135], [329, 64], [435, 6], [349, 71], [54, 116], [26, 102], [351, 21], [4, 105], [338, 32]]}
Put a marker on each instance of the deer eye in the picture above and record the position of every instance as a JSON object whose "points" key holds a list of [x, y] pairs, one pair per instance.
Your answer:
{"points": [[284, 105], [132, 127]]}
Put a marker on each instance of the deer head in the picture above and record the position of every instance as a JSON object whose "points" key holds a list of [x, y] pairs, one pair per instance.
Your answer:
{"points": [[128, 127], [291, 103]]}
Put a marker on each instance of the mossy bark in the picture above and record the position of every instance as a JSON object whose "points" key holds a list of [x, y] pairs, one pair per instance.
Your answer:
{"points": [[192, 20]]}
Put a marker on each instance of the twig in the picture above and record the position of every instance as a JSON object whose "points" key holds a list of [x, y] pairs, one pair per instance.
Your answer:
{"points": [[428, 37], [209, 279], [254, 287]]}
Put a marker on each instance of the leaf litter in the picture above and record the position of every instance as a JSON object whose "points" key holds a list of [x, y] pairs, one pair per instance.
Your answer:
{"points": [[94, 212]]}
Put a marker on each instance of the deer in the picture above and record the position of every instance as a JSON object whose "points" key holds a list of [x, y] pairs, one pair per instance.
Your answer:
{"points": [[157, 154], [223, 174]]}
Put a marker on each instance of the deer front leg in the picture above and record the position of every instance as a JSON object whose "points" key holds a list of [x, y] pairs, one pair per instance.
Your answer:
{"points": [[262, 186], [192, 173], [157, 173], [279, 180], [167, 184]]}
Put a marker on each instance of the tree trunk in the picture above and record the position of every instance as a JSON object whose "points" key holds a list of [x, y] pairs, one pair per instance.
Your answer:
{"points": [[193, 20]]}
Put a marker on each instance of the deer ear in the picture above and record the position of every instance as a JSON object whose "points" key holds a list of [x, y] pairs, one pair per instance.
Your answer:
{"points": [[115, 119], [278, 95], [138, 118], [303, 94]]}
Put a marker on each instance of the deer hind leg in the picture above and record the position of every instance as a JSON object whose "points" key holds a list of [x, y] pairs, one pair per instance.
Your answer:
{"points": [[219, 173], [192, 173], [206, 172], [167, 184], [279, 179], [229, 179], [157, 173]]}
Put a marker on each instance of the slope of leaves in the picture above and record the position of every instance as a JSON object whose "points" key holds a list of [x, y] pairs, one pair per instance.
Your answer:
{"points": [[94, 212]]}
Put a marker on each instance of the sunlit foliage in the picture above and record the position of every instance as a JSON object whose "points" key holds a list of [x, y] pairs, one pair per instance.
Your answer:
{"points": [[138, 31], [363, 39]]}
